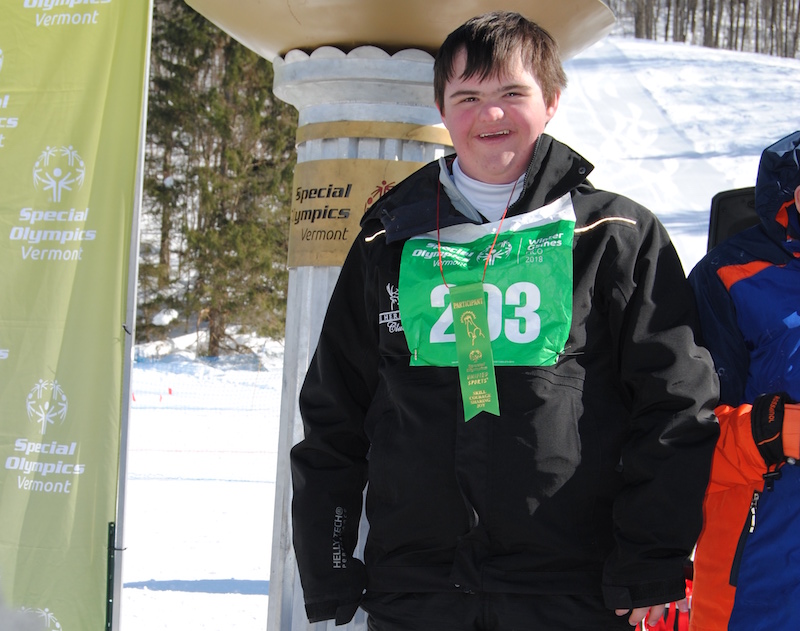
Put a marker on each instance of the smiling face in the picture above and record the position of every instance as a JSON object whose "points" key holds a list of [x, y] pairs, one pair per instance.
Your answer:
{"points": [[494, 122]]}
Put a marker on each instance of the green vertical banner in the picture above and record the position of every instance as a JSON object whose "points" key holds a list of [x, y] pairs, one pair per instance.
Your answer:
{"points": [[72, 92]]}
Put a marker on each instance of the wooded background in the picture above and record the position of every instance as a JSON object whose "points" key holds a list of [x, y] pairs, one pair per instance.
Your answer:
{"points": [[762, 26], [220, 157]]}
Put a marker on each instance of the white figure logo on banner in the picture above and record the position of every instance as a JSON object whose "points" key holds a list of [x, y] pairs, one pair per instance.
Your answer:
{"points": [[46, 403], [44, 615], [58, 169]]}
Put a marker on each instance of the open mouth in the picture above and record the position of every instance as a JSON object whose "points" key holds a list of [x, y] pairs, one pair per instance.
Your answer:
{"points": [[495, 134]]}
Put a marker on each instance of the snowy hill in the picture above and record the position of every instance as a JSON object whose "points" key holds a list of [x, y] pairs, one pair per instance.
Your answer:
{"points": [[670, 125]]}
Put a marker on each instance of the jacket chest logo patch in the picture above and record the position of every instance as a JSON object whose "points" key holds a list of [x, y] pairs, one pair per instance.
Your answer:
{"points": [[391, 318]]}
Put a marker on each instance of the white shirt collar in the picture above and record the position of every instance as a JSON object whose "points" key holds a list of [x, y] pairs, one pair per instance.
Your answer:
{"points": [[491, 200]]}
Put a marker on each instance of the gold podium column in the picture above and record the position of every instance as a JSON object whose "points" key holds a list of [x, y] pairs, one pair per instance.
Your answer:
{"points": [[366, 120]]}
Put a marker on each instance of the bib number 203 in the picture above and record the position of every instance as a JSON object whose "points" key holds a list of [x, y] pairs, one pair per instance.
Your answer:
{"points": [[522, 327]]}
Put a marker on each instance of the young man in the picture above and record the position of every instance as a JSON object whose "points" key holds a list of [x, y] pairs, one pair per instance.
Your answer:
{"points": [[747, 574], [537, 434]]}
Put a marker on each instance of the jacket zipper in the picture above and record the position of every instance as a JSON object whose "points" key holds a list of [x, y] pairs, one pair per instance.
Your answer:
{"points": [[749, 527], [525, 179], [770, 477]]}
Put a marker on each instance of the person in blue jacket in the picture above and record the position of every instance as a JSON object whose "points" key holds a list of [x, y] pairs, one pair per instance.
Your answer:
{"points": [[747, 564]]}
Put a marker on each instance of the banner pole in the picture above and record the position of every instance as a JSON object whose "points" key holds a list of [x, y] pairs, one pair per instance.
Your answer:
{"points": [[111, 575], [116, 531]]}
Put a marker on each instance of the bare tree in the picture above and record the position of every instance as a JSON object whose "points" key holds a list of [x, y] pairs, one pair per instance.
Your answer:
{"points": [[644, 19], [762, 26]]}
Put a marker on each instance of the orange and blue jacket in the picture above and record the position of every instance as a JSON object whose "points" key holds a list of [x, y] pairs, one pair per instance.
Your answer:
{"points": [[747, 563]]}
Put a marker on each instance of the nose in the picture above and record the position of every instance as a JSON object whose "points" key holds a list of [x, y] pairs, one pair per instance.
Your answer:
{"points": [[492, 112]]}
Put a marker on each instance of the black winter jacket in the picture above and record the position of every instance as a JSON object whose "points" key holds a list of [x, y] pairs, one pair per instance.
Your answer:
{"points": [[590, 482]]}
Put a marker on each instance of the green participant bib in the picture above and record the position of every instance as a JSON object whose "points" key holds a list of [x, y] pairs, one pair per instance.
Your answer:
{"points": [[527, 287]]}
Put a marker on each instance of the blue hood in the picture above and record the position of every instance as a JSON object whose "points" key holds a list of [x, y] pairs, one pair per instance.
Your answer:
{"points": [[778, 177]]}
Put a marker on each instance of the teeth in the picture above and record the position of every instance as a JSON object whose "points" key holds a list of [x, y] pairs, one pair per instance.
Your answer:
{"points": [[497, 133]]}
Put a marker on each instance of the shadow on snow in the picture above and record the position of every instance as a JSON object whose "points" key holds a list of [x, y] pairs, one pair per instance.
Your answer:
{"points": [[206, 586]]}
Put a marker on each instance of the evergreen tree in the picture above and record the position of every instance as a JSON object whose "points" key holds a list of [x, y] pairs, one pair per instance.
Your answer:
{"points": [[220, 156]]}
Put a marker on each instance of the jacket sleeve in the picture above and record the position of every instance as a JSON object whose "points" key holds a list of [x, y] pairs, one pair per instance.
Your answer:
{"points": [[329, 466], [670, 387], [737, 460], [720, 330]]}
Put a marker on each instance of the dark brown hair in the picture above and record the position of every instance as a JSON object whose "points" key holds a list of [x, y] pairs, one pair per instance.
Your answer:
{"points": [[491, 42]]}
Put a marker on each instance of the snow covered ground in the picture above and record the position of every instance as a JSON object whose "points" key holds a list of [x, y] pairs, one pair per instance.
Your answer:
{"points": [[201, 487], [666, 124]]}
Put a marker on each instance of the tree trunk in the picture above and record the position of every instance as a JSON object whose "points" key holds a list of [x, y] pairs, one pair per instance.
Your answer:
{"points": [[773, 26], [666, 22], [165, 229], [796, 39], [757, 32], [216, 331], [708, 23], [745, 20], [640, 11]]}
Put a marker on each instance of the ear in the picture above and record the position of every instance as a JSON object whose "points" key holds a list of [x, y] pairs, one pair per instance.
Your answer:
{"points": [[551, 109], [797, 198]]}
